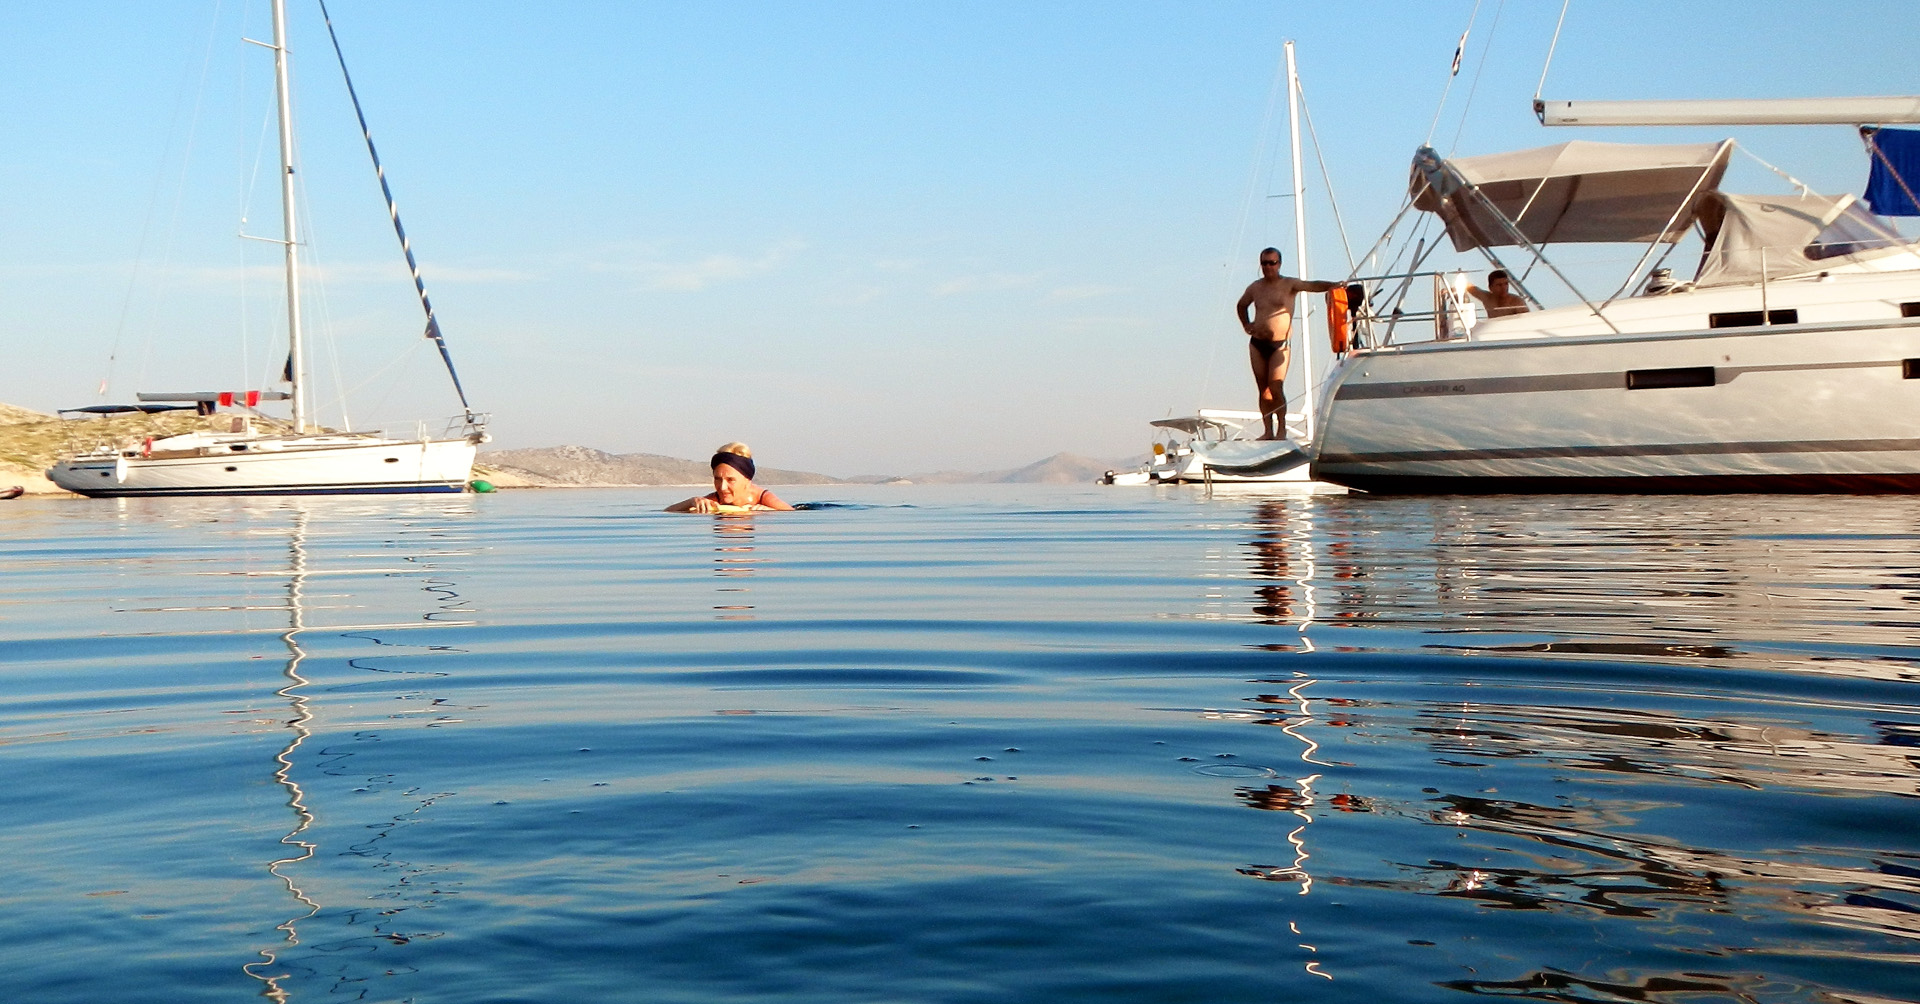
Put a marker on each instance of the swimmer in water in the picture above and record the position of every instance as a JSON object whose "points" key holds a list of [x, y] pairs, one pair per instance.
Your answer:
{"points": [[733, 487]]}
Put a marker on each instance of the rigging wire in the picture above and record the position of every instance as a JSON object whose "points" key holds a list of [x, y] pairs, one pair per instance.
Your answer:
{"points": [[1260, 158], [313, 278], [246, 213], [1805, 189], [1875, 153], [1458, 52], [1557, 25], [393, 211], [1474, 88], [173, 218], [320, 316], [1327, 178], [403, 357]]}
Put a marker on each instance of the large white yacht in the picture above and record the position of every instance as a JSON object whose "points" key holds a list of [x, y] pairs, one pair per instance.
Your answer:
{"points": [[1789, 362]]}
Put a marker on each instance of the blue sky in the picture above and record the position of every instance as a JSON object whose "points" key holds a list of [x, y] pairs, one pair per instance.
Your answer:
{"points": [[864, 237]]}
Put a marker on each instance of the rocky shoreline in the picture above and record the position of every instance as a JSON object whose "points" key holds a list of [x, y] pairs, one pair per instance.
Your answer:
{"points": [[31, 440]]}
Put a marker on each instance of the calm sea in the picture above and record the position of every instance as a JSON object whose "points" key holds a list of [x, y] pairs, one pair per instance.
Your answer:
{"points": [[960, 744]]}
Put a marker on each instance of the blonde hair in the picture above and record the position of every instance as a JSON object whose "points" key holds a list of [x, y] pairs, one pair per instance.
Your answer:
{"points": [[737, 449]]}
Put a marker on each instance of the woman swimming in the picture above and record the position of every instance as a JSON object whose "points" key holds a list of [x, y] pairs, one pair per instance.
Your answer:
{"points": [[733, 487]]}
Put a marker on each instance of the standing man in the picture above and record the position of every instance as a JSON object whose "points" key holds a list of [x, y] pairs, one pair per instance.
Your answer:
{"points": [[1269, 333]]}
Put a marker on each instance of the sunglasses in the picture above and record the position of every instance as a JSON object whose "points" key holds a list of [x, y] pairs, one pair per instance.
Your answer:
{"points": [[1264, 261]]}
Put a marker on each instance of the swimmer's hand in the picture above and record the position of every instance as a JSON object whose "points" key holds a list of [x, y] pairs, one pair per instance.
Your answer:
{"points": [[707, 505]]}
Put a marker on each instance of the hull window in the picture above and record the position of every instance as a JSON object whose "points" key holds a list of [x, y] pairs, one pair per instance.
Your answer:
{"points": [[1682, 376], [1910, 309], [1751, 318], [1910, 369]]}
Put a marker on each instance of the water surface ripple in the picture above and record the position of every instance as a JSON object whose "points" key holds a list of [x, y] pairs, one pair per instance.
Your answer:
{"points": [[961, 744]]}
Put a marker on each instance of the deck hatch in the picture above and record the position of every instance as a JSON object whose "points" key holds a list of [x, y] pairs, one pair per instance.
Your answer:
{"points": [[1751, 318], [1679, 376]]}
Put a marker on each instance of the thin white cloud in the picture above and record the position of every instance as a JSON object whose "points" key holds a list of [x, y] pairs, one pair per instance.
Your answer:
{"points": [[1109, 323], [708, 270], [854, 297], [693, 277], [351, 273], [985, 283], [1086, 292]]}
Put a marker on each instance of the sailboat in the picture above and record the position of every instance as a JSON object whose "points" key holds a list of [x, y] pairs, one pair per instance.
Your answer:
{"points": [[1213, 446], [247, 454], [1787, 364]]}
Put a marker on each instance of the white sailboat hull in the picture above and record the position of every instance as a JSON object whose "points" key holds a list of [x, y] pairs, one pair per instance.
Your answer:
{"points": [[1250, 461], [313, 466], [243, 462], [1792, 408], [1283, 463]]}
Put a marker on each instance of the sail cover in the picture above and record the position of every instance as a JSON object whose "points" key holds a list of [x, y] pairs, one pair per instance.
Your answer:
{"points": [[1577, 192], [1749, 237]]}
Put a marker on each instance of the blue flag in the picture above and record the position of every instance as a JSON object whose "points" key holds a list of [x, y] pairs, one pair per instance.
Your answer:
{"points": [[1896, 171]]}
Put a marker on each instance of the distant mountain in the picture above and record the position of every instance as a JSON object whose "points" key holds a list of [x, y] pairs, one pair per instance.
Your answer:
{"points": [[579, 465], [12, 415], [30, 441], [582, 466], [1059, 469]]}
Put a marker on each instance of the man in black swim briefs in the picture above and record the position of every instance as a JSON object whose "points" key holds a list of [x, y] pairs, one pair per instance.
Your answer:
{"points": [[1269, 332]]}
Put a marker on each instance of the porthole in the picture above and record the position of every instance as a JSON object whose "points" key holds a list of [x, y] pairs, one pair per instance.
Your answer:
{"points": [[393, 460], [233, 468]]}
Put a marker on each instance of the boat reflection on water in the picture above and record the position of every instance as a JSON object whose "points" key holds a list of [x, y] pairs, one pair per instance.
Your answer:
{"points": [[1666, 724], [267, 969], [300, 867], [1631, 577], [1281, 563]]}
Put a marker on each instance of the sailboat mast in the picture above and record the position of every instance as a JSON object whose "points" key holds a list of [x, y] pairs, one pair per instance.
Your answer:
{"points": [[1305, 339], [296, 359]]}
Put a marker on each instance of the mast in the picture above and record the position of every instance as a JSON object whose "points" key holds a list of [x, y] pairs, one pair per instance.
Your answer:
{"points": [[296, 360], [1299, 249]]}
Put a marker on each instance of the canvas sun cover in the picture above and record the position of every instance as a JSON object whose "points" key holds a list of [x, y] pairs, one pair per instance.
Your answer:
{"points": [[1577, 192], [1748, 236], [1209, 419]]}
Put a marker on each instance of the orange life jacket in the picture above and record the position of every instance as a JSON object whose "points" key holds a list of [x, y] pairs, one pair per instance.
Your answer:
{"points": [[1337, 319]]}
